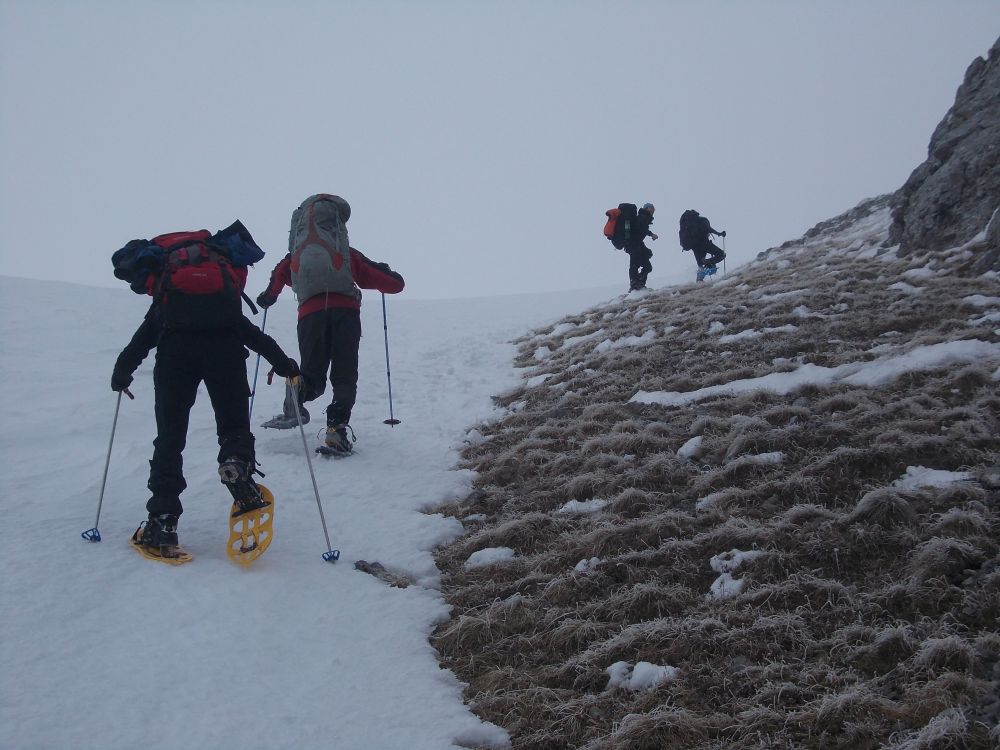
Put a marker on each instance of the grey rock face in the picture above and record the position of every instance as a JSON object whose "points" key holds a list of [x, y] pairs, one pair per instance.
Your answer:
{"points": [[951, 197]]}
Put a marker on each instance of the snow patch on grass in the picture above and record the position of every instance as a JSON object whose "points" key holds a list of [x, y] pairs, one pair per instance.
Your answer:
{"points": [[585, 565], [537, 379], [752, 333], [725, 564], [692, 448], [489, 556], [921, 476], [607, 345], [862, 374], [987, 319], [542, 352], [583, 506], [643, 676], [980, 300]]}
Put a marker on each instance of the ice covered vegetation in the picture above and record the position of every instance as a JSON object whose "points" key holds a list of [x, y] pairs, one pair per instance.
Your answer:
{"points": [[797, 545]]}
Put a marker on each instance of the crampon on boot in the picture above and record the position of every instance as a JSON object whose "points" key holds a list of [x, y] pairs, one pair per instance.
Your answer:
{"points": [[156, 539], [287, 419], [336, 442]]}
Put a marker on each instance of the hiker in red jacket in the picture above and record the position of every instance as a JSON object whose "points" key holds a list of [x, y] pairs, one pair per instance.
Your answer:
{"points": [[325, 272]]}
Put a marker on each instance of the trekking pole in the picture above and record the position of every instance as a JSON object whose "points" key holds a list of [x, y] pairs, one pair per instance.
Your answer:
{"points": [[331, 555], [256, 369], [93, 535], [391, 421], [723, 259]]}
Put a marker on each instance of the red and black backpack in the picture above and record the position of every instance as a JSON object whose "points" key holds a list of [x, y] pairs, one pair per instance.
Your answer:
{"points": [[198, 287], [196, 277]]}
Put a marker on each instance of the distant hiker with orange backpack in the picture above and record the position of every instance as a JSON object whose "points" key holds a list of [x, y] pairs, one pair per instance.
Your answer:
{"points": [[694, 235], [197, 326], [325, 273], [627, 228]]}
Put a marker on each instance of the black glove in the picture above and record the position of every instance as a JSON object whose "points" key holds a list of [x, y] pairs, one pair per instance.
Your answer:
{"points": [[723, 232], [290, 369], [265, 299], [120, 380]]}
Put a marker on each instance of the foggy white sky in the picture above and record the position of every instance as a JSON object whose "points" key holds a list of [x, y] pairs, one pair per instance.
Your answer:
{"points": [[479, 143]]}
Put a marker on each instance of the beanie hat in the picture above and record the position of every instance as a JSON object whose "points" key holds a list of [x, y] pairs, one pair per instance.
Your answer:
{"points": [[649, 207]]}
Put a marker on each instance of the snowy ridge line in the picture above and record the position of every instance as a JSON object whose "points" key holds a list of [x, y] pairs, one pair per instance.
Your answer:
{"points": [[847, 233]]}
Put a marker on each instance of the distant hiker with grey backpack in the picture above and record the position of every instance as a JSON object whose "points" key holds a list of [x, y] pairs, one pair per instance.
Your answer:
{"points": [[325, 273], [694, 235], [627, 228], [197, 326]]}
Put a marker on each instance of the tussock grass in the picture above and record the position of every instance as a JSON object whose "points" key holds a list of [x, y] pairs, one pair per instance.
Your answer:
{"points": [[869, 619]]}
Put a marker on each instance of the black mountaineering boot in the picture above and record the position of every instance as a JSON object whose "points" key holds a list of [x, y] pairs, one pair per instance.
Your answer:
{"points": [[159, 533], [237, 475]]}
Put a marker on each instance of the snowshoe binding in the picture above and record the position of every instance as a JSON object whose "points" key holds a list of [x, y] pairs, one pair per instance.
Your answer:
{"points": [[252, 513], [156, 539]]}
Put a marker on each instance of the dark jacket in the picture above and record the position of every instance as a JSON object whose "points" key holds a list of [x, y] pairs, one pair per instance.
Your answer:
{"points": [[150, 331], [705, 229], [367, 274], [640, 231]]}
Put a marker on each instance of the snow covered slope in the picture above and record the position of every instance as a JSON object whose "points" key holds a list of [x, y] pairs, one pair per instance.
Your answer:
{"points": [[102, 649]]}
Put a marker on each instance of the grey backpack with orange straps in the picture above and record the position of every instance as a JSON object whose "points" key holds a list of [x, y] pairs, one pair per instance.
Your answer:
{"points": [[319, 250]]}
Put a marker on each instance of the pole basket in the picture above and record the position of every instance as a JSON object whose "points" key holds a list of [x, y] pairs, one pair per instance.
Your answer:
{"points": [[332, 556], [91, 535], [391, 422]]}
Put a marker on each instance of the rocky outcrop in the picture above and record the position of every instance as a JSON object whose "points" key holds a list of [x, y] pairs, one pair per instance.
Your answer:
{"points": [[951, 197]]}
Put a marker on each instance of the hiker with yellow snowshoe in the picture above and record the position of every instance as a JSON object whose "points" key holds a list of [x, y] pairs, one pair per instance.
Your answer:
{"points": [[197, 326]]}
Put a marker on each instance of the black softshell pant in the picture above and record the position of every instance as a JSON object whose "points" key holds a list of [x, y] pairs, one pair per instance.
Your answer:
{"points": [[639, 265], [328, 342], [184, 359], [708, 254]]}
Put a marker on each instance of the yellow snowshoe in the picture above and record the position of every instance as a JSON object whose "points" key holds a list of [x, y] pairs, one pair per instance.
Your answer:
{"points": [[156, 539], [250, 530]]}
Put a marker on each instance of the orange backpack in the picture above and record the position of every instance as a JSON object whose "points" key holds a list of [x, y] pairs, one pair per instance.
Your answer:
{"points": [[618, 228], [609, 227]]}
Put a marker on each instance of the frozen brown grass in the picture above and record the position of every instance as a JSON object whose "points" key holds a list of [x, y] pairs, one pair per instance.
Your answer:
{"points": [[870, 620]]}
